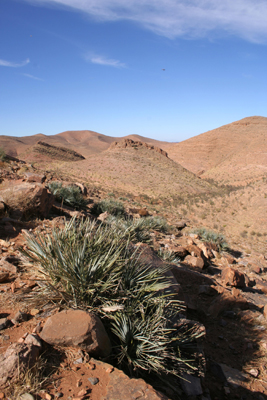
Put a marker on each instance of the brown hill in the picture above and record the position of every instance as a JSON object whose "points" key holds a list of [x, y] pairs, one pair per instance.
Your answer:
{"points": [[84, 142], [137, 169], [234, 153]]}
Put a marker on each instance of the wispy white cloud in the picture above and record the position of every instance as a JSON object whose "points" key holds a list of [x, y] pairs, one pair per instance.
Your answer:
{"points": [[32, 77], [5, 63], [102, 60], [176, 18]]}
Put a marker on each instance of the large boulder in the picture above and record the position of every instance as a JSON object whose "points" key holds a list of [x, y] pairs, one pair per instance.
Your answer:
{"points": [[26, 199], [79, 329]]}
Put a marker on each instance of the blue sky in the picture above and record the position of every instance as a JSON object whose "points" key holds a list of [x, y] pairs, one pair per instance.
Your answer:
{"points": [[165, 69]]}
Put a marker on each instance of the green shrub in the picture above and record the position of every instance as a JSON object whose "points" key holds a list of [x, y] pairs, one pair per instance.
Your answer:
{"points": [[69, 195], [113, 207], [138, 230], [93, 267], [211, 236], [168, 255]]}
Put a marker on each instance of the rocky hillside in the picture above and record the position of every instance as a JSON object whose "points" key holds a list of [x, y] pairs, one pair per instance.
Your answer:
{"points": [[44, 151], [233, 154], [222, 289]]}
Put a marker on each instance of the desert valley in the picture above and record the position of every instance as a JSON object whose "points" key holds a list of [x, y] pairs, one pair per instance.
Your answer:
{"points": [[193, 212]]}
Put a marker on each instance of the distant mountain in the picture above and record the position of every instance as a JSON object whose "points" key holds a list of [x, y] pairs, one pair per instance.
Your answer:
{"points": [[84, 142], [233, 153]]}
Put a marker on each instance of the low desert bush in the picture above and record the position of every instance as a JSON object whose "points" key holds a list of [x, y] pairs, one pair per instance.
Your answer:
{"points": [[138, 230], [69, 195], [94, 268], [113, 207], [211, 236], [168, 255]]}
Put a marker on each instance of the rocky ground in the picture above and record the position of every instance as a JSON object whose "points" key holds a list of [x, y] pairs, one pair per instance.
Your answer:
{"points": [[224, 293]]}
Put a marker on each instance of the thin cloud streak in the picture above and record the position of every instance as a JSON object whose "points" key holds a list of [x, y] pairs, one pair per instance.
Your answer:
{"points": [[4, 63], [101, 60], [180, 18], [32, 77]]}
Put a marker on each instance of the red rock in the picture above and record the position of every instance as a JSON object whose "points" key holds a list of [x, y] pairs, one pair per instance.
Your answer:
{"points": [[265, 311], [27, 199], [194, 250], [4, 276], [226, 301], [179, 251], [121, 387], [255, 268], [228, 259], [233, 277], [77, 328], [206, 249], [16, 357], [261, 285], [31, 177], [82, 393], [194, 261]]}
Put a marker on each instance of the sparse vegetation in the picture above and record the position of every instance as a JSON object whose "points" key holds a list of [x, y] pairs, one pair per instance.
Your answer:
{"points": [[69, 195], [94, 268], [211, 236], [113, 207], [168, 255]]}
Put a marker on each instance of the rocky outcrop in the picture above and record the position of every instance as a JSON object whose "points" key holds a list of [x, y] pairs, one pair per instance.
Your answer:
{"points": [[126, 143], [79, 329]]}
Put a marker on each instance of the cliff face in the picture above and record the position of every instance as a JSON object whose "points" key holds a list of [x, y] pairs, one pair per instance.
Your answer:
{"points": [[123, 144]]}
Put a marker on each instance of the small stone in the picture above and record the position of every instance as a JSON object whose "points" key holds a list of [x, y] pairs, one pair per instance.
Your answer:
{"points": [[109, 370], [48, 396], [91, 366], [78, 383], [20, 317], [26, 396], [82, 393], [226, 390], [78, 361], [254, 372], [4, 323], [38, 328], [34, 311], [93, 381], [58, 395], [2, 395], [33, 340]]}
